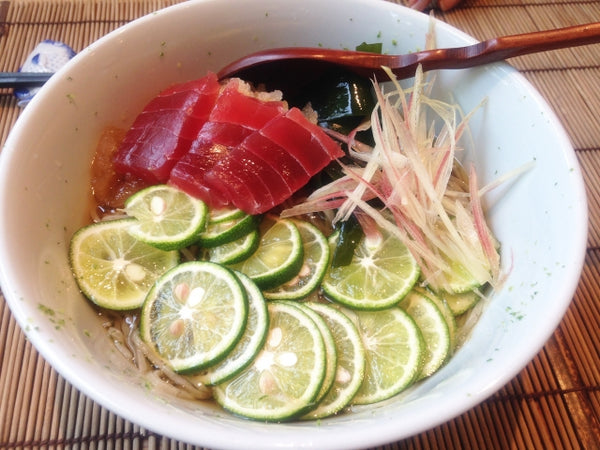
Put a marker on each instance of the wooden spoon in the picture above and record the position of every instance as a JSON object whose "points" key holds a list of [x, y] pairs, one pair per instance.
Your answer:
{"points": [[297, 63], [271, 64]]}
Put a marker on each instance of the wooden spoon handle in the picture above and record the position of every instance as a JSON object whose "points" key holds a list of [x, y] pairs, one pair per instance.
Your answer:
{"points": [[498, 49]]}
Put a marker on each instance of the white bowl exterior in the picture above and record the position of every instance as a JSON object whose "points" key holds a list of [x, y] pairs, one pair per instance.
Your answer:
{"points": [[540, 219]]}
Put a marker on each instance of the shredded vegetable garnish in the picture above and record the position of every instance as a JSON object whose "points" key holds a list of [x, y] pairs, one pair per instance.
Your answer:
{"points": [[412, 184]]}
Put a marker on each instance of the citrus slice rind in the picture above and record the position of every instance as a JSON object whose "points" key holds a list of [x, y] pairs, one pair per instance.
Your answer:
{"points": [[381, 273], [224, 214], [167, 218], [434, 329], [316, 259], [194, 315], [462, 302], [330, 348], [235, 251], [394, 350], [113, 269], [279, 255], [350, 362], [249, 344], [284, 379], [227, 230], [447, 313]]}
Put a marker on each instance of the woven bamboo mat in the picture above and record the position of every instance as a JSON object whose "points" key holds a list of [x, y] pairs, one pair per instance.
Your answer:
{"points": [[553, 403]]}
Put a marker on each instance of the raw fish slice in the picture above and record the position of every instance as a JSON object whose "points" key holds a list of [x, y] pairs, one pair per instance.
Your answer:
{"points": [[236, 105], [244, 188], [234, 117], [160, 135], [226, 134], [325, 142], [255, 170], [305, 141], [278, 158], [214, 142], [166, 111], [188, 174]]}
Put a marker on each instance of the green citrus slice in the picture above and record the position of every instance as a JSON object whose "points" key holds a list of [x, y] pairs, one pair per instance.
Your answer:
{"points": [[286, 376], [350, 362], [112, 268], [224, 214], [394, 351], [227, 229], [279, 255], [235, 251], [457, 279], [330, 348], [167, 218], [434, 329], [446, 311], [194, 315], [316, 260], [462, 302], [382, 271], [250, 343]]}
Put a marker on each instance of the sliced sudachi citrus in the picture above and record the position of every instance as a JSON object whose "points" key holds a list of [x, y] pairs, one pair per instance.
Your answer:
{"points": [[114, 269], [194, 315]]}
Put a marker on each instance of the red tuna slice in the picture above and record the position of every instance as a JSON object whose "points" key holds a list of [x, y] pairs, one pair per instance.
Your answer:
{"points": [[185, 176], [242, 183], [304, 140], [255, 170], [214, 142], [236, 105], [278, 158], [163, 132], [234, 117]]}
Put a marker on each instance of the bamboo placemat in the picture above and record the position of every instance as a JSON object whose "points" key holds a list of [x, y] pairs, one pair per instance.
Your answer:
{"points": [[553, 403]]}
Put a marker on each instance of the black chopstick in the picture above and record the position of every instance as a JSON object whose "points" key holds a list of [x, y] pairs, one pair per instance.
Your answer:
{"points": [[22, 79]]}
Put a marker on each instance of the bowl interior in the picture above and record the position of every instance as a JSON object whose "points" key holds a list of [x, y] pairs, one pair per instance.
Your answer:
{"points": [[540, 219]]}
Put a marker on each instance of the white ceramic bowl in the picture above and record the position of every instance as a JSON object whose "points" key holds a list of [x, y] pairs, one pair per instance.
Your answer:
{"points": [[540, 219]]}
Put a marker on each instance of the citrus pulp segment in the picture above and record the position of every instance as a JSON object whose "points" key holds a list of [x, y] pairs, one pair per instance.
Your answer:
{"points": [[286, 376], [350, 367], [194, 315], [167, 218], [279, 255], [394, 350], [112, 268], [316, 260], [434, 329], [381, 273], [249, 344]]}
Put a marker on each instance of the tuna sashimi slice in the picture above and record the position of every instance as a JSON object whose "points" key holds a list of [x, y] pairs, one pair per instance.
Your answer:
{"points": [[237, 104], [332, 148], [265, 182], [236, 115], [304, 140], [188, 175], [163, 132], [214, 142], [278, 158], [244, 186]]}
